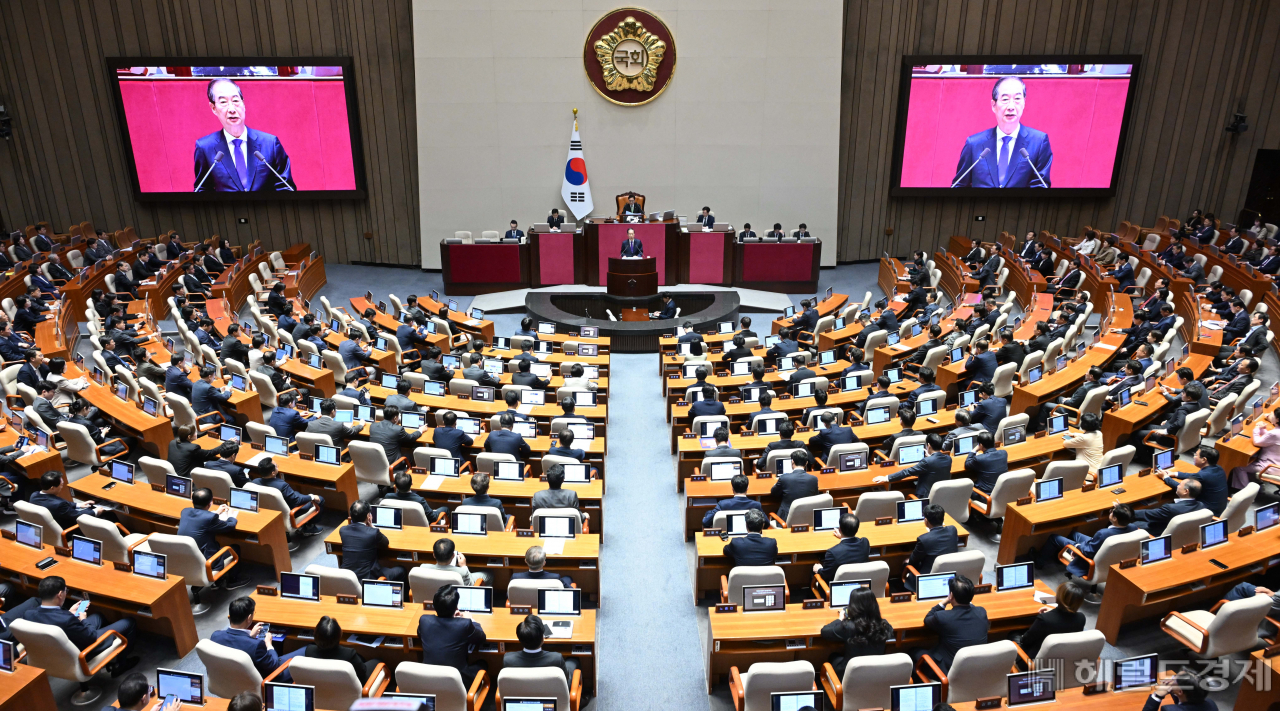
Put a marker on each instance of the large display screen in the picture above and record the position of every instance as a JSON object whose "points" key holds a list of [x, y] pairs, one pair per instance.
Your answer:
{"points": [[244, 129], [1013, 126]]}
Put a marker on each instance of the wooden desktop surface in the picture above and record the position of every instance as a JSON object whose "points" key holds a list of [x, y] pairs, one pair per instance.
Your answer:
{"points": [[27, 687], [336, 483], [516, 496], [826, 307]]}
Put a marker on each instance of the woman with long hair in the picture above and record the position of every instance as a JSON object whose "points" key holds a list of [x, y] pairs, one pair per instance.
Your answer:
{"points": [[860, 629]]}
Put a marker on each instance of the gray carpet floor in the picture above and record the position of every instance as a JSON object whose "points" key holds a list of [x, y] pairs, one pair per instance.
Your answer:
{"points": [[651, 637]]}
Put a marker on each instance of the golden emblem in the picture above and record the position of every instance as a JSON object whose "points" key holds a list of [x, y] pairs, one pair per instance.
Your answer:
{"points": [[629, 56]]}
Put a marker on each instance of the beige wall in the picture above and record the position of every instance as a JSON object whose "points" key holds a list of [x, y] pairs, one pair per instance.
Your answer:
{"points": [[748, 125]]}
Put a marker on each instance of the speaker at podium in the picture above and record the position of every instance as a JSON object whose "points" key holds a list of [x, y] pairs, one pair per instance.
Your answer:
{"points": [[632, 276]]}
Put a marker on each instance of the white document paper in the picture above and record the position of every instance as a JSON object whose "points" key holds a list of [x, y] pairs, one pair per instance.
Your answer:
{"points": [[524, 409], [553, 546], [433, 482]]}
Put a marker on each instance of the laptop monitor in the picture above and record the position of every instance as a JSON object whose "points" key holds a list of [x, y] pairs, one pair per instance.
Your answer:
{"points": [[546, 328], [556, 527], [433, 387], [926, 407], [877, 415], [915, 697], [29, 534], [533, 397], [1110, 476], [1154, 550], [957, 355], [1057, 424], [1015, 434], [1033, 687], [525, 428], [508, 471], [968, 398], [764, 598], [1213, 533], [735, 524], [796, 700], [411, 420], [576, 473], [1265, 517], [528, 704], [842, 590], [149, 565], [1135, 671], [826, 357], [852, 381], [1163, 459], [277, 445], [910, 454], [895, 374], [1048, 489], [964, 445], [470, 425], [382, 593], [326, 454], [589, 332], [827, 519], [475, 524], [934, 587], [244, 500], [582, 431], [444, 466], [565, 602], [86, 550], [475, 599], [388, 517], [177, 485], [1035, 374], [188, 687], [390, 381], [852, 461], [1016, 576], [297, 586], [290, 697], [911, 510], [122, 471]]}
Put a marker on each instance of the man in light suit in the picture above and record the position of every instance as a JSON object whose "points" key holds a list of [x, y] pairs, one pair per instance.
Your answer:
{"points": [[632, 247], [1003, 165], [514, 233], [239, 169], [739, 501]]}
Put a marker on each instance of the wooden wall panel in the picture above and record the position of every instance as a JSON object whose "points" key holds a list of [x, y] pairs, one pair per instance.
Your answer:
{"points": [[66, 162], [1202, 61]]}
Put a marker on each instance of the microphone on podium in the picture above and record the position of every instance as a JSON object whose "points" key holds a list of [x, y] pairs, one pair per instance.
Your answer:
{"points": [[983, 154], [216, 159], [258, 155], [1027, 156]]}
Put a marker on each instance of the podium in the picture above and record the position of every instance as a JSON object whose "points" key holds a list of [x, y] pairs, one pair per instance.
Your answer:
{"points": [[632, 277]]}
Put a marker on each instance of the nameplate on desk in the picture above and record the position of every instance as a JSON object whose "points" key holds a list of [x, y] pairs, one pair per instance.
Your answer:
{"points": [[306, 457], [800, 528], [418, 470], [828, 470], [1190, 548], [689, 435], [347, 600], [267, 590], [814, 604], [439, 529], [1095, 688], [255, 446], [982, 589], [460, 396], [521, 609], [1088, 487], [218, 501], [1146, 472], [727, 607], [785, 396], [8, 535], [989, 702], [1040, 434], [1271, 651], [1024, 501], [1246, 530], [157, 487], [735, 400], [888, 463], [524, 533], [1128, 563], [60, 551], [764, 475], [697, 477], [803, 429], [884, 521], [122, 567], [900, 597]]}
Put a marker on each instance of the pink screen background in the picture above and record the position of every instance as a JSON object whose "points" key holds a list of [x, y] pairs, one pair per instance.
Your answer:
{"points": [[167, 116], [1082, 116]]}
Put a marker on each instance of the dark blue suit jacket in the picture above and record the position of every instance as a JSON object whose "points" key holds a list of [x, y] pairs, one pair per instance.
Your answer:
{"points": [[361, 545], [986, 468], [931, 544], [226, 179], [1090, 549], [264, 656], [292, 498], [703, 408], [177, 382], [1213, 483], [933, 468], [821, 443], [507, 442], [1155, 520], [957, 628], [668, 309], [632, 248], [989, 412], [64, 512], [205, 399], [447, 640], [287, 421], [732, 504], [752, 549], [793, 485], [452, 439], [981, 367], [847, 551], [986, 174], [81, 633], [204, 526]]}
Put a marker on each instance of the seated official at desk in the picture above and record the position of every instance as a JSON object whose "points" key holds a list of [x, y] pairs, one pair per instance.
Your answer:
{"points": [[785, 346], [249, 636], [63, 511], [851, 549], [269, 475], [404, 492], [829, 436], [795, 484], [738, 351], [860, 629], [753, 548], [722, 448], [1154, 520], [1063, 618], [1092, 381], [203, 526], [632, 208], [185, 455], [555, 219], [401, 401], [1166, 433], [938, 539], [555, 497], [81, 628], [524, 372], [668, 308], [447, 436], [935, 467], [990, 408], [389, 434], [536, 559], [328, 645], [134, 694], [363, 545], [880, 393], [480, 487], [927, 378], [739, 502], [985, 464], [338, 433], [709, 405], [564, 446], [819, 403], [531, 632], [1121, 521], [786, 431], [963, 625], [450, 560], [1189, 691], [285, 420], [1213, 480], [448, 636], [907, 418], [503, 441]]}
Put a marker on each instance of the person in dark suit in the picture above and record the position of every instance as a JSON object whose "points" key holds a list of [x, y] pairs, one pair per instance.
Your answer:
{"points": [[504, 441], [1155, 520], [935, 467], [849, 550], [1235, 242], [938, 539], [1072, 280], [1188, 690], [1213, 480], [239, 168], [555, 496], [531, 632], [63, 511], [632, 207], [786, 431], [564, 447], [985, 463], [785, 346], [285, 420], [1237, 323], [1010, 350], [1166, 433], [555, 219], [1254, 337], [1043, 262], [328, 645], [403, 491], [907, 417], [795, 484], [708, 406], [1121, 520], [981, 365], [747, 232], [1270, 264], [668, 308], [206, 399], [42, 241], [989, 410], [535, 558], [963, 625], [480, 495], [1075, 401], [807, 319], [1064, 618], [524, 375], [233, 348], [25, 318], [753, 548], [268, 475], [339, 434], [514, 233], [82, 629], [996, 155], [225, 462], [277, 304], [204, 526], [986, 276], [739, 501], [34, 370], [632, 247], [831, 434], [450, 635], [739, 349], [447, 436], [362, 545], [389, 434], [705, 218]]}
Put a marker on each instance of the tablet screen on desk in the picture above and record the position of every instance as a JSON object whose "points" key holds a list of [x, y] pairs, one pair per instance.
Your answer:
{"points": [[525, 428], [842, 590], [795, 700], [364, 413], [957, 355], [771, 341], [345, 417], [804, 389], [1154, 550], [911, 453], [475, 599], [189, 688], [277, 445], [546, 328], [1265, 517], [451, 362], [86, 550], [764, 598], [576, 474], [892, 339], [388, 517], [122, 471], [296, 586], [533, 397], [963, 445], [444, 466], [1033, 687], [151, 407], [926, 407], [581, 398], [382, 593], [229, 433], [735, 524], [1048, 490], [877, 415], [1014, 434], [826, 519], [911, 510], [1015, 577], [852, 381], [1135, 671], [149, 565], [326, 454], [290, 697], [565, 602], [915, 697], [244, 500], [475, 524], [853, 461], [177, 485], [411, 420], [1035, 374], [29, 534], [470, 425], [968, 397], [1213, 533], [508, 471], [1057, 424], [934, 587], [582, 431], [6, 656], [313, 360], [594, 331], [390, 381], [1110, 476], [740, 367], [725, 471], [433, 387], [493, 366], [555, 527]]}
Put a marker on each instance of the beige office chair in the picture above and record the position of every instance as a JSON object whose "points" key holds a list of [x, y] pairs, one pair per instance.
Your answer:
{"points": [[51, 533], [1238, 506], [258, 432], [1010, 487], [801, 511], [753, 691], [978, 671], [876, 571], [876, 504], [185, 560], [867, 681], [1076, 650], [228, 671], [49, 649], [953, 495], [966, 563], [542, 683], [270, 498], [217, 482], [1115, 549], [493, 518], [1228, 628], [525, 592], [424, 582], [81, 448], [898, 445], [336, 581], [370, 462], [155, 470], [1185, 528], [335, 680], [183, 414], [770, 461], [445, 683], [117, 542], [266, 391], [307, 442], [740, 575], [1120, 455], [1071, 473], [578, 519], [1019, 420], [413, 512]]}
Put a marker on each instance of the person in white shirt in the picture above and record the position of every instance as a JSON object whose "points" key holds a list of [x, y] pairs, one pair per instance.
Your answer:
{"points": [[577, 379]]}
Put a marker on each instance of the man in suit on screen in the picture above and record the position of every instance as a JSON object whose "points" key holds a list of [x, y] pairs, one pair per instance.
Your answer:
{"points": [[239, 169], [1003, 165]]}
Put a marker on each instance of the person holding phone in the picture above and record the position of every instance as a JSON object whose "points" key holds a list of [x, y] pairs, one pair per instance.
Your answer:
{"points": [[81, 628], [135, 695]]}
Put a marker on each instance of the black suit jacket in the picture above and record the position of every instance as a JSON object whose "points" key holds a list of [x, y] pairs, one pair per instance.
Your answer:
{"points": [[1056, 621], [1155, 520], [820, 444], [81, 633], [846, 552], [446, 641], [957, 628], [986, 468], [752, 549], [931, 544], [933, 468], [361, 546], [521, 659], [793, 485]]}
